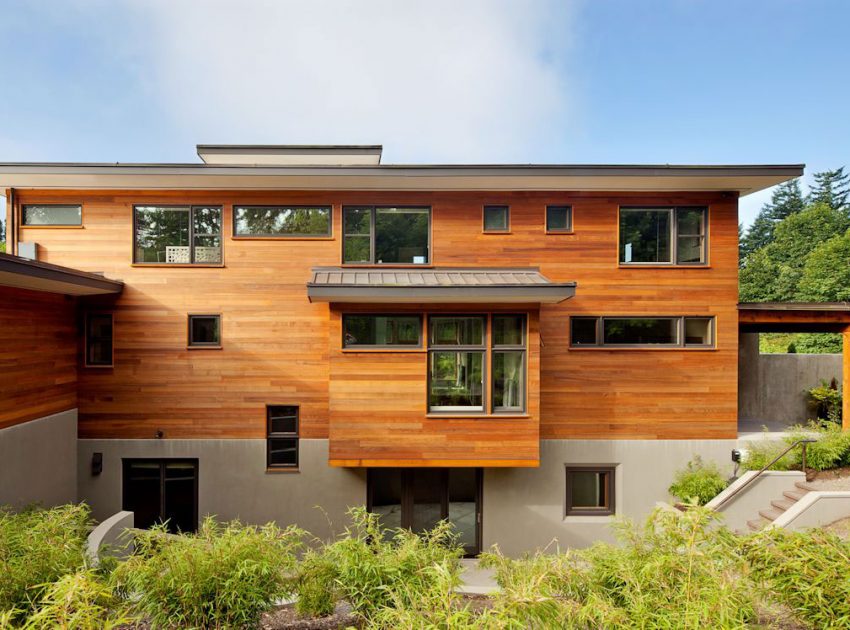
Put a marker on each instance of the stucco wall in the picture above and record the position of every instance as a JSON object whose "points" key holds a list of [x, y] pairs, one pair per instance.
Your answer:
{"points": [[38, 461]]}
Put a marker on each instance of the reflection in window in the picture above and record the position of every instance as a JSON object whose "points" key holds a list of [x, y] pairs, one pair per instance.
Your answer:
{"points": [[386, 235], [51, 214], [559, 219], [278, 221], [642, 331], [496, 218], [590, 491], [381, 330], [177, 235], [456, 363], [663, 235]]}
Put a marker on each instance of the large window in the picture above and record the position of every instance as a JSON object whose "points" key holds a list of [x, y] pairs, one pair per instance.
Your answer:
{"points": [[177, 235], [98, 340], [663, 236], [381, 331], [282, 436], [590, 491], [162, 491], [53, 215], [684, 332], [508, 339], [394, 236], [282, 222]]}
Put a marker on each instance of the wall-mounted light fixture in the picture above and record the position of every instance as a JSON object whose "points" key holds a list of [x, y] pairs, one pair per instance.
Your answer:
{"points": [[96, 464]]}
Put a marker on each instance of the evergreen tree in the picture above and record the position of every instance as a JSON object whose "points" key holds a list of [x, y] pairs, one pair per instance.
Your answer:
{"points": [[787, 199], [832, 188]]}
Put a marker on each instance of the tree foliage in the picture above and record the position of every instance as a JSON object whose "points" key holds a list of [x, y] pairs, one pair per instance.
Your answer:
{"points": [[831, 188], [787, 199]]}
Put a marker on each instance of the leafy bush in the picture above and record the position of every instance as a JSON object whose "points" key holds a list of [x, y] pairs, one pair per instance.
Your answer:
{"points": [[315, 586], [699, 481], [759, 454], [223, 576], [825, 400], [831, 450], [37, 547]]}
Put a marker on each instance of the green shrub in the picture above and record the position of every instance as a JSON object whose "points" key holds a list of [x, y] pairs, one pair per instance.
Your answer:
{"points": [[759, 453], [698, 481], [832, 448], [826, 401], [224, 576], [37, 547], [316, 586]]}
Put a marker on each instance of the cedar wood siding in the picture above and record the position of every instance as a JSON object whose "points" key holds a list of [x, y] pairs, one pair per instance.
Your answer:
{"points": [[280, 349]]}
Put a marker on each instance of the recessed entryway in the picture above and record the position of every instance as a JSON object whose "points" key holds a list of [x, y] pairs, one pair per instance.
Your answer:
{"points": [[162, 491]]}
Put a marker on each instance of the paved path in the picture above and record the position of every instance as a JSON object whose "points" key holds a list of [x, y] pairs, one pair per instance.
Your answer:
{"points": [[476, 581]]}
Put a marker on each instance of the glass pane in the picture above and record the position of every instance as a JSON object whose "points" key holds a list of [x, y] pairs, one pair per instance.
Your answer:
{"points": [[508, 330], [52, 215], [689, 249], [282, 221], [457, 380], [583, 331], [463, 492], [689, 221], [142, 492], [283, 451], [207, 249], [180, 497], [386, 495], [205, 330], [428, 488], [588, 489], [661, 330], [401, 235], [495, 218], [99, 340], [357, 221], [356, 249], [644, 236], [456, 331], [207, 221], [508, 381], [162, 235], [283, 419], [698, 331], [381, 330], [559, 218]]}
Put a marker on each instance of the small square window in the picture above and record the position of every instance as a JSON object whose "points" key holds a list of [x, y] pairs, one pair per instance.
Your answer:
{"points": [[559, 219], [282, 436], [583, 331], [496, 218], [590, 491], [698, 331], [205, 331]]}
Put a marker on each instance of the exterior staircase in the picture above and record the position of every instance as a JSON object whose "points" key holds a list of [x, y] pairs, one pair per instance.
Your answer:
{"points": [[779, 506]]}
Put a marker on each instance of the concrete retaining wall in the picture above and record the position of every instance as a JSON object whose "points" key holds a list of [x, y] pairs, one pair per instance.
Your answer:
{"points": [[757, 496], [816, 509], [111, 537]]}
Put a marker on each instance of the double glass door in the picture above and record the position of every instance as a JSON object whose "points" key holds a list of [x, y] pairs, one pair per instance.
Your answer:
{"points": [[162, 491], [418, 498]]}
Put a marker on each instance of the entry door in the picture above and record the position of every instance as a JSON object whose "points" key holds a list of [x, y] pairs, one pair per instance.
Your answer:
{"points": [[162, 490], [418, 498]]}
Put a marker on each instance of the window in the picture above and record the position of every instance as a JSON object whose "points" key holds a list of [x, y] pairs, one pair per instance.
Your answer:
{"points": [[559, 219], [663, 236], [162, 491], [386, 235], [381, 330], [51, 215], [508, 363], [282, 436], [204, 331], [681, 332], [282, 222], [590, 491], [179, 235], [98, 340], [497, 218]]}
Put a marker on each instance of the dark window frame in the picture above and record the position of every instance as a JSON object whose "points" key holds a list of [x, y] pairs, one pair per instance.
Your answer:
{"points": [[191, 239], [398, 347], [569, 229], [680, 331], [497, 348], [610, 470], [372, 236], [481, 348], [23, 214], [162, 461], [272, 435], [204, 344], [492, 206], [673, 236], [87, 336], [326, 235]]}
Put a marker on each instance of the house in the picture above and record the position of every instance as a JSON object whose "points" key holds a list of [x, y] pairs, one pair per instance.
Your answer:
{"points": [[281, 332]]}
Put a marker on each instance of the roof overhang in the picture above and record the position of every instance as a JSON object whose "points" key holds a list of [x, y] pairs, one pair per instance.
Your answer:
{"points": [[23, 273], [291, 154], [742, 180], [810, 317], [437, 285]]}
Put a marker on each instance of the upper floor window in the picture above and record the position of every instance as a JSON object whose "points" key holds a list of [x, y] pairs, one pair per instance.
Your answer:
{"points": [[663, 236], [282, 222], [389, 236], [98, 340], [187, 235], [642, 331], [559, 219], [59, 215], [381, 331], [497, 218]]}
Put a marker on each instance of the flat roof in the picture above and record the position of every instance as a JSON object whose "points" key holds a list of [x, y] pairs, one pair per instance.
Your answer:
{"points": [[23, 273]]}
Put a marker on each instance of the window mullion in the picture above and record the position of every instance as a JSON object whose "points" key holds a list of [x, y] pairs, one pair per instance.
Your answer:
{"points": [[373, 222], [192, 234], [674, 236]]}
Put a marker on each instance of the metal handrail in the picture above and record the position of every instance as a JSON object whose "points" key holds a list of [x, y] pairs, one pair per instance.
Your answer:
{"points": [[737, 490]]}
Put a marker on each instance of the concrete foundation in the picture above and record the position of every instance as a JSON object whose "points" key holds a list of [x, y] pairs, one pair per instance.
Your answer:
{"points": [[38, 461]]}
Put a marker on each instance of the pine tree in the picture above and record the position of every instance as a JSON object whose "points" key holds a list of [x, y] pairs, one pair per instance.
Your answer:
{"points": [[832, 188], [787, 199]]}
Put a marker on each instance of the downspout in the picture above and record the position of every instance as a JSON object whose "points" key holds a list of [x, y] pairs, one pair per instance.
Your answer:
{"points": [[11, 227]]}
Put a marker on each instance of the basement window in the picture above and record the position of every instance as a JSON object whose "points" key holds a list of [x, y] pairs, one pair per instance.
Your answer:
{"points": [[282, 429], [590, 491]]}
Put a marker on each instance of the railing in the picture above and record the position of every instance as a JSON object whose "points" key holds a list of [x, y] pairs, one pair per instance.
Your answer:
{"points": [[737, 490]]}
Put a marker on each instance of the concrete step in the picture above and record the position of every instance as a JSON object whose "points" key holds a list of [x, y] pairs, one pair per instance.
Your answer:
{"points": [[795, 495], [757, 525], [783, 504], [771, 515], [806, 487]]}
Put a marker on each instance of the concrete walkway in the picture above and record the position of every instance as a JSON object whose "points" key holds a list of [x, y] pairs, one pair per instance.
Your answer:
{"points": [[476, 581]]}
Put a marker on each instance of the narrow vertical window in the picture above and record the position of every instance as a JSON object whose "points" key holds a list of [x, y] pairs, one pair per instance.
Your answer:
{"points": [[456, 354], [99, 345], [204, 331], [282, 430], [497, 218], [508, 340]]}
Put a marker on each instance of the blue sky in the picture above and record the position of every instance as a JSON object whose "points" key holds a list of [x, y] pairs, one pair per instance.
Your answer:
{"points": [[689, 81]]}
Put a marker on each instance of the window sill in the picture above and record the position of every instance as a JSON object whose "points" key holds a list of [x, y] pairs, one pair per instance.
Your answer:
{"points": [[386, 266], [477, 416], [661, 266], [496, 232], [180, 265], [589, 518], [204, 347], [560, 232], [51, 227], [282, 238], [383, 350], [277, 471], [99, 367], [642, 349]]}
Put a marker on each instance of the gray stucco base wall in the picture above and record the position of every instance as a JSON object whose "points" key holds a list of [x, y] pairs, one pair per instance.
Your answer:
{"points": [[524, 507], [38, 461], [233, 482]]}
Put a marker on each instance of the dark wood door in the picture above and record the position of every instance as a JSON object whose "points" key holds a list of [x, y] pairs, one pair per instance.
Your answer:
{"points": [[162, 491]]}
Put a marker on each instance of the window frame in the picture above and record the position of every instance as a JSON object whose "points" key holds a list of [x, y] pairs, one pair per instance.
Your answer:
{"points": [[493, 206], [305, 236], [87, 336], [373, 235], [481, 349], [191, 209], [508, 348], [673, 211], [41, 226], [194, 345], [608, 469], [568, 230], [272, 435], [394, 347], [680, 332], [127, 462]]}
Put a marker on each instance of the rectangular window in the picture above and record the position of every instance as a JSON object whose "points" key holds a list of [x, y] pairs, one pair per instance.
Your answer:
{"points": [[508, 341], [282, 425], [663, 236], [98, 340], [559, 219], [282, 222], [497, 218], [52, 215], [681, 332], [381, 330], [204, 331], [590, 491], [178, 235], [386, 236], [162, 491]]}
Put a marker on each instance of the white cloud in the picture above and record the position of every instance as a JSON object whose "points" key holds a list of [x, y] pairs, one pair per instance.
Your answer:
{"points": [[438, 80]]}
